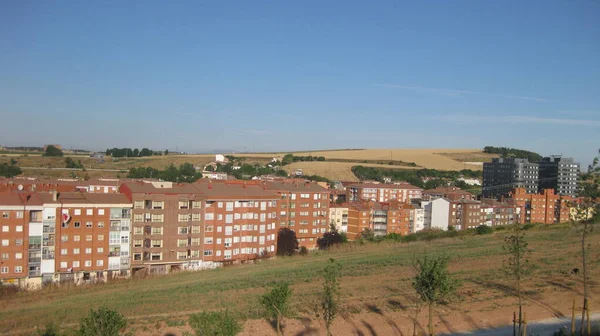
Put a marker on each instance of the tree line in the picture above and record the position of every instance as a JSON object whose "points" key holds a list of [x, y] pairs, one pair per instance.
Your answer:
{"points": [[507, 152], [437, 178], [10, 169], [128, 152], [291, 158], [184, 173]]}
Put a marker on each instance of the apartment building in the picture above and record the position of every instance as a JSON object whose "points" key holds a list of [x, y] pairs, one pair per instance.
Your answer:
{"points": [[382, 192], [496, 213], [545, 207], [502, 175], [560, 174], [68, 236], [167, 226], [380, 218], [449, 193], [416, 218], [240, 221], [436, 214], [303, 207], [338, 216], [466, 214]]}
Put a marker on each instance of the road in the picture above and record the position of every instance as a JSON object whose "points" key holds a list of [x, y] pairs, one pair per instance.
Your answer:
{"points": [[541, 328]]}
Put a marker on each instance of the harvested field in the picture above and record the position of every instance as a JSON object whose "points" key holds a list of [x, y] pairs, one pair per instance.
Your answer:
{"points": [[376, 290], [335, 171]]}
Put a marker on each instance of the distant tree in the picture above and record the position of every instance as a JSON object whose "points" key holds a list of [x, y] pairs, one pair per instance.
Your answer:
{"points": [[276, 303], [187, 169], [136, 152], [287, 243], [281, 173], [166, 152], [9, 170], [484, 229], [145, 152], [433, 283], [367, 234], [103, 322], [13, 162], [287, 159], [327, 309], [52, 151]]}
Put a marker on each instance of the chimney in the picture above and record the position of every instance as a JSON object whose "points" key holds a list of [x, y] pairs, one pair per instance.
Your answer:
{"points": [[54, 196]]}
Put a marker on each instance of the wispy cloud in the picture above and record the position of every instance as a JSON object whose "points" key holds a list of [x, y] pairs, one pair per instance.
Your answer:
{"points": [[458, 93], [473, 119]]}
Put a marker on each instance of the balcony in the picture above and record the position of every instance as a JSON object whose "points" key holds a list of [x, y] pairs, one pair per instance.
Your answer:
{"points": [[48, 229], [35, 260], [35, 217], [47, 256], [114, 254], [35, 273], [35, 246]]}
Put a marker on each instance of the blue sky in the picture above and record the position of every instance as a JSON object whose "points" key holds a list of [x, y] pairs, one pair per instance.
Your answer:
{"points": [[282, 75]]}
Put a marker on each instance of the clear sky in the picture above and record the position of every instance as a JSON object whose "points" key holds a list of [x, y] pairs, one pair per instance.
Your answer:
{"points": [[291, 75]]}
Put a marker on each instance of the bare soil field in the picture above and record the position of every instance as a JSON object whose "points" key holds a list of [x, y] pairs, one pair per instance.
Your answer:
{"points": [[377, 298]]}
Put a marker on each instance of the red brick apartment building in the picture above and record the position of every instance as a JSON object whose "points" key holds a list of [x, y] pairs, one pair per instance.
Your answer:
{"points": [[381, 218], [449, 193], [382, 192], [194, 226], [64, 236], [546, 207], [303, 207], [497, 213], [465, 214]]}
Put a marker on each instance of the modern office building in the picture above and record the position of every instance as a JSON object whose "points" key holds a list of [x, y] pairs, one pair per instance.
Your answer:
{"points": [[503, 175], [560, 174]]}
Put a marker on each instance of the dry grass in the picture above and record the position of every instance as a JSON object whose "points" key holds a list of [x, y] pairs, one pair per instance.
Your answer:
{"points": [[374, 274], [335, 171]]}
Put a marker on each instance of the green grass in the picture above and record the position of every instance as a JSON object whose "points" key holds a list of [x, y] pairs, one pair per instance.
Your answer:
{"points": [[370, 272]]}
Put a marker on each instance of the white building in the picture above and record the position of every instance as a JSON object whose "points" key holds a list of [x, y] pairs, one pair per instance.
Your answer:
{"points": [[214, 175], [338, 215], [417, 222], [470, 181], [436, 214]]}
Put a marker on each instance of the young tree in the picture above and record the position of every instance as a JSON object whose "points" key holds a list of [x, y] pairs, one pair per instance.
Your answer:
{"points": [[328, 308], [166, 152], [516, 264], [276, 303], [584, 218], [333, 237], [103, 322], [433, 283], [287, 243]]}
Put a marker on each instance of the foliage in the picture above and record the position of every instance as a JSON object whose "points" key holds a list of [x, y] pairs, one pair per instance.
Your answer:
{"points": [[507, 152], [185, 173], [287, 243], [316, 178], [517, 264], [330, 297], [484, 229], [247, 171], [128, 152], [330, 238], [276, 303], [414, 177], [303, 251], [215, 324], [433, 283], [291, 158], [50, 330], [69, 163], [10, 170], [52, 151], [103, 322], [367, 234]]}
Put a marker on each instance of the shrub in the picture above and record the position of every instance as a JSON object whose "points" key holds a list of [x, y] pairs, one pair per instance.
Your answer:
{"points": [[500, 228], [276, 303], [528, 226], [103, 322], [483, 230], [303, 251], [50, 330], [215, 324]]}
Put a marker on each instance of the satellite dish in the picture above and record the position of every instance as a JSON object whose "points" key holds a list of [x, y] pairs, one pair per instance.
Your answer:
{"points": [[20, 187]]}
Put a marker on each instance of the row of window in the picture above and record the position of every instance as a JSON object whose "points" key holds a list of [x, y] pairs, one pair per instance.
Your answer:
{"points": [[77, 251], [6, 214], [230, 217], [6, 242], [6, 256], [87, 263], [6, 228], [5, 269], [88, 225]]}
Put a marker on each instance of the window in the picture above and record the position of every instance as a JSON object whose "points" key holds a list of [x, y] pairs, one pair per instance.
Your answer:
{"points": [[88, 263], [156, 243], [195, 205], [208, 240], [19, 242], [100, 224], [209, 216], [63, 251], [195, 229], [89, 212], [138, 218], [5, 228], [77, 212], [183, 230], [229, 218], [220, 204], [100, 250], [208, 228], [100, 213], [183, 205], [183, 217], [89, 224], [138, 205], [4, 256], [229, 206], [138, 230], [156, 256], [157, 218], [88, 250], [182, 242], [77, 224], [137, 256], [157, 231], [114, 238], [219, 217], [195, 241], [207, 252], [219, 229], [218, 253], [75, 264], [75, 251], [196, 217], [18, 269], [76, 238], [137, 242], [88, 238], [181, 255], [4, 269], [5, 242], [99, 262], [157, 205], [18, 255]]}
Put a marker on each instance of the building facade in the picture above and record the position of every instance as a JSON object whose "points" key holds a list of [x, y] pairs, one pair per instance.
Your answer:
{"points": [[560, 174], [382, 192], [502, 175]]}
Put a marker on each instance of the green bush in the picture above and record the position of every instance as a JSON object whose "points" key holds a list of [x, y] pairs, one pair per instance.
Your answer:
{"points": [[483, 230], [215, 324], [528, 226], [102, 322], [50, 330], [500, 228], [303, 251]]}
